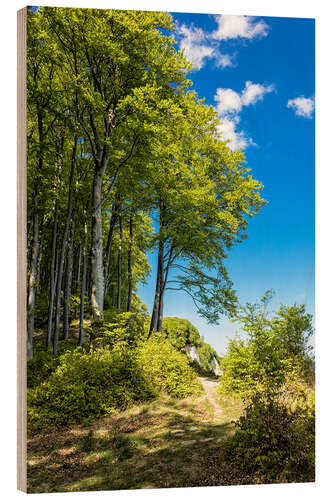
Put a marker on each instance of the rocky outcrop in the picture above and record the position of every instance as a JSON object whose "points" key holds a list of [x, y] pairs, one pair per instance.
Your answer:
{"points": [[192, 353], [215, 367]]}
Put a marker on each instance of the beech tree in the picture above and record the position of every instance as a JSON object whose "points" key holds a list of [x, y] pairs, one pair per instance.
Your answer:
{"points": [[123, 160], [203, 199]]}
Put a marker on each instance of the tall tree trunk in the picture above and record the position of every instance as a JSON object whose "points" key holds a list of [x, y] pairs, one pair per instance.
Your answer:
{"points": [[63, 248], [77, 279], [113, 220], [78, 272], [68, 282], [52, 277], [33, 285], [84, 277], [119, 263], [97, 271], [159, 284], [35, 244], [164, 280], [129, 265], [160, 311]]}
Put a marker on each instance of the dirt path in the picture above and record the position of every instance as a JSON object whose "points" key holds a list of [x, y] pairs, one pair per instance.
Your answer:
{"points": [[162, 443], [210, 387]]}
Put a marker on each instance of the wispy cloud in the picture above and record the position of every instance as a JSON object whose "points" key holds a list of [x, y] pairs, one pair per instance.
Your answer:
{"points": [[230, 27], [200, 45], [238, 140], [229, 105], [303, 106], [254, 92]]}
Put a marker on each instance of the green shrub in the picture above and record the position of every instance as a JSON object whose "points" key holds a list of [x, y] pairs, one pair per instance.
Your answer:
{"points": [[81, 386], [246, 370], [206, 352], [275, 352], [273, 443], [86, 386], [167, 368], [116, 328], [44, 363], [180, 332]]}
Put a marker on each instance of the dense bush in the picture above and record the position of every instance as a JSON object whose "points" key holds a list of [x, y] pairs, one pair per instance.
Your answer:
{"points": [[87, 385], [115, 328], [273, 443], [167, 368], [180, 332], [275, 352], [81, 386], [206, 352], [40, 367], [246, 371]]}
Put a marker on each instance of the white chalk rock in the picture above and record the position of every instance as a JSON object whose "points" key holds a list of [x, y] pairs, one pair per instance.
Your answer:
{"points": [[192, 353], [215, 367]]}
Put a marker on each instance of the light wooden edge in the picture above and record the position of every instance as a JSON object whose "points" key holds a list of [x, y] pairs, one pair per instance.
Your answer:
{"points": [[21, 251]]}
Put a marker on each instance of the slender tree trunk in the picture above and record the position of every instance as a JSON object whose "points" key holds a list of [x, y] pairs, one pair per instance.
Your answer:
{"points": [[68, 282], [52, 277], [119, 263], [78, 273], [159, 283], [129, 265], [97, 271], [63, 248], [160, 312], [113, 220], [83, 281], [33, 285], [77, 279], [88, 280], [165, 272], [35, 246], [38, 273]]}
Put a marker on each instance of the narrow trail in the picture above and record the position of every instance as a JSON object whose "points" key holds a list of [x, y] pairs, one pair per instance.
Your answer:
{"points": [[163, 443], [210, 387]]}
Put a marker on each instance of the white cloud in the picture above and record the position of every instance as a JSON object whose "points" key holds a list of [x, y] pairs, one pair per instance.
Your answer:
{"points": [[302, 105], [230, 104], [223, 60], [198, 47], [230, 101], [254, 92], [230, 27], [237, 139]]}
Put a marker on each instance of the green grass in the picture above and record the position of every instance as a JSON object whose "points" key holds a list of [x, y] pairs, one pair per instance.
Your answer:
{"points": [[161, 444]]}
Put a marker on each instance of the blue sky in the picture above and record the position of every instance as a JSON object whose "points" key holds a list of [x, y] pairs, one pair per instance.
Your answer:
{"points": [[259, 74]]}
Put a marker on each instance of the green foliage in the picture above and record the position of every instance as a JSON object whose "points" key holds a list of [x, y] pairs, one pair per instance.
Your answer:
{"points": [[248, 368], [88, 385], [116, 328], [40, 367], [180, 332], [273, 443], [206, 352], [79, 386], [167, 368], [276, 351]]}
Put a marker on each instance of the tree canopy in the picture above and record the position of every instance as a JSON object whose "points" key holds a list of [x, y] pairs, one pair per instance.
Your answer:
{"points": [[124, 159]]}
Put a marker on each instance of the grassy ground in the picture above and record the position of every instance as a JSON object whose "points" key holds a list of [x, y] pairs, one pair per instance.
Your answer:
{"points": [[166, 443]]}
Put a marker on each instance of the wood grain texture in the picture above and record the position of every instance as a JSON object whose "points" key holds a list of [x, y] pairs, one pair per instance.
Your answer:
{"points": [[21, 251]]}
